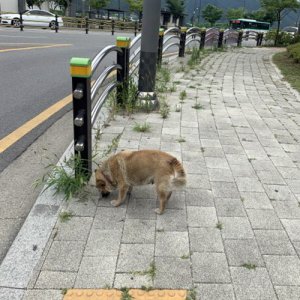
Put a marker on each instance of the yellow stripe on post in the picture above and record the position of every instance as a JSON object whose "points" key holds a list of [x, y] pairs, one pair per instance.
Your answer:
{"points": [[123, 42], [81, 67]]}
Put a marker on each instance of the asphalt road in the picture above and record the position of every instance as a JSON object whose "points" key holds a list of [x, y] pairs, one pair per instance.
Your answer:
{"points": [[35, 74]]}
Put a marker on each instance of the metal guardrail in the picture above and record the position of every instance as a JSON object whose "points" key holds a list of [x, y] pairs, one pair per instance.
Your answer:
{"points": [[82, 70]]}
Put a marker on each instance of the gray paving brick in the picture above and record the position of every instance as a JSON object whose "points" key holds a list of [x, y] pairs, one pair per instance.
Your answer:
{"points": [[287, 209], [173, 273], [256, 200], [283, 270], [210, 268], [270, 177], [213, 152], [177, 200], [110, 218], [141, 209], [241, 252], [236, 228], [103, 242], [274, 242], [220, 175], [135, 257], [252, 284], [245, 184], [292, 228], [229, 207], [201, 216], [76, 229], [216, 163], [215, 291], [288, 292], [64, 256], [42, 294], [198, 197], [139, 231], [55, 280], [83, 208], [196, 181], [130, 280], [95, 272], [279, 192], [172, 220], [225, 190], [11, 293], [205, 240], [263, 219], [172, 244], [192, 167]]}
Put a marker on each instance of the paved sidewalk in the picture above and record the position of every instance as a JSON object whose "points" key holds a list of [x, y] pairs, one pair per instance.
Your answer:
{"points": [[234, 233]]}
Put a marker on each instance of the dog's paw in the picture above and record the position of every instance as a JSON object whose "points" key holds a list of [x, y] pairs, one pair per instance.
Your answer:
{"points": [[157, 210], [114, 203]]}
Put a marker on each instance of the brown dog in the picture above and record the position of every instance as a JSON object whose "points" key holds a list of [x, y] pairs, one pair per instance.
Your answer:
{"points": [[129, 168]]}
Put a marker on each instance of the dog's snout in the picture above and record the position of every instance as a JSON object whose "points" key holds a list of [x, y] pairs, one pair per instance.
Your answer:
{"points": [[105, 194]]}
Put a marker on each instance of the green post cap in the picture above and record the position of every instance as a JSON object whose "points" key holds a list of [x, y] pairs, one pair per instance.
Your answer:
{"points": [[123, 39], [80, 61], [123, 42]]}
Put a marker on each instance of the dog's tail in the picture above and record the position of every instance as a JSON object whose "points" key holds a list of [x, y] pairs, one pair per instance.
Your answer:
{"points": [[180, 178]]}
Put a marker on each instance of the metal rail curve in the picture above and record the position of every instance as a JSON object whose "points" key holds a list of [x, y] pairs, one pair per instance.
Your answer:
{"points": [[171, 37], [170, 45], [101, 100], [193, 29], [102, 54], [172, 29], [135, 40], [102, 78]]}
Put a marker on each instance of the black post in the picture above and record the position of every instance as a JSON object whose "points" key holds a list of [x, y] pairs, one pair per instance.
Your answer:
{"points": [[202, 38], [182, 41], [123, 74], [86, 24], [261, 38], [240, 37], [149, 42], [160, 47], [135, 28], [112, 27], [81, 90], [220, 40], [21, 22], [56, 24]]}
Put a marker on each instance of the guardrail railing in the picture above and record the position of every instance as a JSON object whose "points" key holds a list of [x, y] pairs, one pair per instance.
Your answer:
{"points": [[127, 61]]}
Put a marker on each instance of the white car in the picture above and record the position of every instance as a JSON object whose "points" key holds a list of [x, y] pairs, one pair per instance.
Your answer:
{"points": [[34, 17]]}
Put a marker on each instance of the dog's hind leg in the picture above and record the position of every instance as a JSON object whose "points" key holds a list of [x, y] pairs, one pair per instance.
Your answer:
{"points": [[122, 196], [163, 200]]}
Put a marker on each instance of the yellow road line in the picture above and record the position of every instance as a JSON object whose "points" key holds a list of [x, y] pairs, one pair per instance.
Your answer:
{"points": [[36, 47], [13, 137]]}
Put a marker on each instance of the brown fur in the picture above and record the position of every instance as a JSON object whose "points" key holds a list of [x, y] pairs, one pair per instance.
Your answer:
{"points": [[129, 168]]}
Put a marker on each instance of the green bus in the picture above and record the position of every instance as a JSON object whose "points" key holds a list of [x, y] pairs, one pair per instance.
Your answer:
{"points": [[249, 25]]}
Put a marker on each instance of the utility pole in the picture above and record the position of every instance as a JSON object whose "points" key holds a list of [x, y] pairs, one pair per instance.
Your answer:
{"points": [[149, 44], [21, 5]]}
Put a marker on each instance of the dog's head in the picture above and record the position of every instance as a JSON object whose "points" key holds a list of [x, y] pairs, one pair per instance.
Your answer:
{"points": [[102, 184]]}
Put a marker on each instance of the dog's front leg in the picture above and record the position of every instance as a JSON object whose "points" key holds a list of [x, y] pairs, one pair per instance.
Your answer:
{"points": [[122, 196]]}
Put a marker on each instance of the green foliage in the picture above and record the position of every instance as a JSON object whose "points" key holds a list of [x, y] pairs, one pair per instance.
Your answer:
{"points": [[63, 179], [219, 225], [176, 7], [63, 4], [135, 5], [182, 95], [151, 272], [249, 266], [125, 294], [195, 57], [163, 77], [283, 38], [38, 3], [141, 127], [164, 109], [235, 13], [212, 13], [98, 4], [294, 52], [65, 216], [192, 295]]}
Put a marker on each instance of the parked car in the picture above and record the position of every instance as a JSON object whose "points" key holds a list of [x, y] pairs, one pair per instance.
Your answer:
{"points": [[33, 17], [290, 30]]}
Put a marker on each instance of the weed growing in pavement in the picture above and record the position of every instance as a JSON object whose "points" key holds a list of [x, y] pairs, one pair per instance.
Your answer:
{"points": [[249, 266], [164, 109], [145, 127], [197, 105], [163, 77], [219, 225], [182, 95], [147, 288], [195, 58], [181, 140], [191, 295], [173, 88], [64, 291], [125, 294], [151, 272], [65, 216], [185, 256], [63, 179]]}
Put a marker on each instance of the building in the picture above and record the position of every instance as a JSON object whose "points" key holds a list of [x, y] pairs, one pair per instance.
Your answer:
{"points": [[17, 5]]}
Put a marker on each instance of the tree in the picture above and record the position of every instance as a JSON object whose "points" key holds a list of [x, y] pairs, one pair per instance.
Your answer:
{"points": [[62, 4], [235, 13], [38, 3], [212, 13], [176, 8], [136, 6], [98, 4], [280, 8], [261, 15]]}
